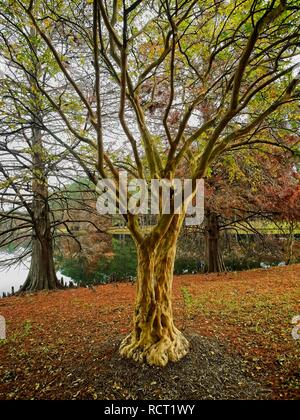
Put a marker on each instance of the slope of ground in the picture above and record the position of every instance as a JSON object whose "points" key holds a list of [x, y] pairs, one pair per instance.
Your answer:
{"points": [[63, 345]]}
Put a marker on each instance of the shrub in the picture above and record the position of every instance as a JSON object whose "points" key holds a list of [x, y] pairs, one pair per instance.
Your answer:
{"points": [[187, 265], [122, 266], [77, 269]]}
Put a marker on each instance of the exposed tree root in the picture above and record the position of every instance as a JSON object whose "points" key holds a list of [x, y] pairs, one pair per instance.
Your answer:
{"points": [[35, 283], [155, 353]]}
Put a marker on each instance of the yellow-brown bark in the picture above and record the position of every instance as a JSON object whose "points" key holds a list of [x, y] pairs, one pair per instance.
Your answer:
{"points": [[155, 339]]}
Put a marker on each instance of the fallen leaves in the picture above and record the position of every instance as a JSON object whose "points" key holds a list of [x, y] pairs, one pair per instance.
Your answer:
{"points": [[54, 347]]}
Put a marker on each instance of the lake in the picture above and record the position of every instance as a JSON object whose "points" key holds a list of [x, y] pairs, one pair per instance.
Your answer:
{"points": [[16, 276]]}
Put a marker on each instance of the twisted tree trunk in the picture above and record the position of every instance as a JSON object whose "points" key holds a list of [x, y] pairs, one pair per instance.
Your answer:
{"points": [[155, 338]]}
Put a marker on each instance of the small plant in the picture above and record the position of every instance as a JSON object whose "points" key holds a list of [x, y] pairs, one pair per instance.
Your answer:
{"points": [[187, 299], [27, 326]]}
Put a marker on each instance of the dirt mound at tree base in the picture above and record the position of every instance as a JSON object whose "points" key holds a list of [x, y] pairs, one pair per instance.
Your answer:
{"points": [[207, 372]]}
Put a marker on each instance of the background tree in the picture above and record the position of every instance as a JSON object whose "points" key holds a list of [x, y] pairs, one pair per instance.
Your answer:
{"points": [[248, 191], [34, 175], [25, 160]]}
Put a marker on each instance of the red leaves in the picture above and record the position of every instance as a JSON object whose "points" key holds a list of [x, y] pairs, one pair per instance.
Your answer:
{"points": [[255, 182]]}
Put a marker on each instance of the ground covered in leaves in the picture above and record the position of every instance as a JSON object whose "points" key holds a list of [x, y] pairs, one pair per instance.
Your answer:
{"points": [[63, 345]]}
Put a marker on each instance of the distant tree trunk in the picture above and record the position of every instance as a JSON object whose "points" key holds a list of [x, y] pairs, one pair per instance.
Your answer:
{"points": [[215, 261], [42, 274], [155, 338], [290, 244]]}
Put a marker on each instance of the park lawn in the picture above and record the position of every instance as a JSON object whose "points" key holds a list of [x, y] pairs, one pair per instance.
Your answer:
{"points": [[59, 343]]}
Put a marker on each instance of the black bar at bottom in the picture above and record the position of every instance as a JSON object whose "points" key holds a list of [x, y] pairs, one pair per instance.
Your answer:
{"points": [[138, 409]]}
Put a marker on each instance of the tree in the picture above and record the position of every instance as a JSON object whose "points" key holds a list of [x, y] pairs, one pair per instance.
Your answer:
{"points": [[231, 52], [32, 167], [25, 161], [249, 188]]}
